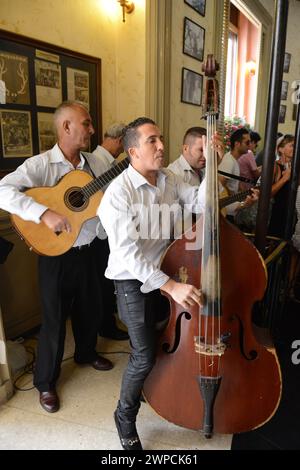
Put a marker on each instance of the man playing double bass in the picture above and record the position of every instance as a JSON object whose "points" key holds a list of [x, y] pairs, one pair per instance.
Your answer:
{"points": [[130, 213]]}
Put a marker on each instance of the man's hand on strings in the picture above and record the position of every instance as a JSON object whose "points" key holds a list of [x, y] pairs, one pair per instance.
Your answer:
{"points": [[216, 144], [56, 222], [185, 295]]}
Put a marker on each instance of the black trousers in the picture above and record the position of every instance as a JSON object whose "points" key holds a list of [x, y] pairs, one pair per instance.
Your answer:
{"points": [[140, 313], [107, 319], [68, 285]]}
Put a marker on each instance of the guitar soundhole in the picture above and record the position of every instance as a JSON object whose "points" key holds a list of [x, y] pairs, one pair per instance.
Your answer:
{"points": [[74, 199]]}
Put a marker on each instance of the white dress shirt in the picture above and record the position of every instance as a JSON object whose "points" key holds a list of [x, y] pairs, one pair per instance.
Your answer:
{"points": [[124, 212], [105, 158], [45, 169], [182, 168]]}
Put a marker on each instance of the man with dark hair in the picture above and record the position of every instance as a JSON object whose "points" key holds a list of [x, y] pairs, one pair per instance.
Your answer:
{"points": [[259, 156], [239, 144], [254, 139], [136, 248], [68, 283], [191, 163], [247, 163]]}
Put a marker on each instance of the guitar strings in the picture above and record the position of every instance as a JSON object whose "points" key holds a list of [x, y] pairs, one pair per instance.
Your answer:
{"points": [[95, 185]]}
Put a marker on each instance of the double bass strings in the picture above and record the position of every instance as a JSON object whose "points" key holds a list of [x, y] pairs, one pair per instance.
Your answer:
{"points": [[211, 257]]}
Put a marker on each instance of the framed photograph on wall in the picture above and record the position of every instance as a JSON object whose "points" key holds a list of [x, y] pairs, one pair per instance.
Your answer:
{"points": [[191, 87], [287, 62], [16, 133], [282, 112], [193, 39], [35, 77], [295, 110], [47, 135], [198, 5], [284, 90], [14, 73]]}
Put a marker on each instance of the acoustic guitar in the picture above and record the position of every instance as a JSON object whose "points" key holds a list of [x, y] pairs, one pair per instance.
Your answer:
{"points": [[77, 196]]}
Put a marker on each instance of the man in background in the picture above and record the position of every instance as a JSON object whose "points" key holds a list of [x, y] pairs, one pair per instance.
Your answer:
{"points": [[247, 163], [107, 153], [191, 163]]}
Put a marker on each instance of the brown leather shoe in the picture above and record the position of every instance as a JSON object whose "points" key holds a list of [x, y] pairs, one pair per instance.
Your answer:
{"points": [[101, 363], [49, 401]]}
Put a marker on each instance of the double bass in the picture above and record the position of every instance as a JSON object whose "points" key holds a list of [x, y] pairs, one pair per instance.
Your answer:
{"points": [[213, 373]]}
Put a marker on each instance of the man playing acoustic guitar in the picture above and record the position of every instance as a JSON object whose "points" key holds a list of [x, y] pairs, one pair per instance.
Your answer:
{"points": [[68, 282]]}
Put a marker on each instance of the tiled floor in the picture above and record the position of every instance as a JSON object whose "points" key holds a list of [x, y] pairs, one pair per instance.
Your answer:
{"points": [[85, 419]]}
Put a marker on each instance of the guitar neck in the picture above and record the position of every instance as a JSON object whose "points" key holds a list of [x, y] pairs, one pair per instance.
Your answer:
{"points": [[101, 181], [225, 201]]}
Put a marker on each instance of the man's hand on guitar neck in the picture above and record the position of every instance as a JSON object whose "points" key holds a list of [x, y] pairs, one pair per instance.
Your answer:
{"points": [[56, 222], [250, 200]]}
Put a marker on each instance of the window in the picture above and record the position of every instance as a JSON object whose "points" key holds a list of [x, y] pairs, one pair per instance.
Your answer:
{"points": [[231, 74]]}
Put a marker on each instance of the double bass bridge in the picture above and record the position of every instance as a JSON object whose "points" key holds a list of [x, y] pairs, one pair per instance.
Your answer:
{"points": [[209, 349]]}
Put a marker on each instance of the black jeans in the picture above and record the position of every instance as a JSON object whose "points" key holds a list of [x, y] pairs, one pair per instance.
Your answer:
{"points": [[140, 313]]}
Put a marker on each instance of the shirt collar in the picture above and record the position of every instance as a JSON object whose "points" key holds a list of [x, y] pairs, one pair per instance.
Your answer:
{"points": [[185, 164], [106, 154], [56, 156], [139, 180]]}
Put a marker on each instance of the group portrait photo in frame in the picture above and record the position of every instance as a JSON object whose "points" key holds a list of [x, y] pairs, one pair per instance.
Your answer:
{"points": [[191, 87], [35, 77], [193, 39], [198, 5]]}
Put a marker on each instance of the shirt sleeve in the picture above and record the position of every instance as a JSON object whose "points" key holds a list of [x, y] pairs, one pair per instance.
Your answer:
{"points": [[120, 223], [12, 197], [251, 162], [192, 197]]}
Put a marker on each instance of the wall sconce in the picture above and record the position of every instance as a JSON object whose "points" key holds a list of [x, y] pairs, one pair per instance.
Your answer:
{"points": [[251, 68], [127, 7]]}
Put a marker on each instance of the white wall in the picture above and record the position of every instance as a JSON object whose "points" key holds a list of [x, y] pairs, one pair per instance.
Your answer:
{"points": [[92, 27]]}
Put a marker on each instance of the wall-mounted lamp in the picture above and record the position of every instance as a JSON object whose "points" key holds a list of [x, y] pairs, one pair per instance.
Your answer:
{"points": [[251, 68], [127, 7]]}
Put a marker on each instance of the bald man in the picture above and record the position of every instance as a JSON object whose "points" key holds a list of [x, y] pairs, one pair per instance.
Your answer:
{"points": [[68, 283]]}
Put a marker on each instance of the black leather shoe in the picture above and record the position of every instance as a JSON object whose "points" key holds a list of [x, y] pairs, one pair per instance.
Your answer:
{"points": [[101, 363], [49, 401], [116, 334], [130, 440]]}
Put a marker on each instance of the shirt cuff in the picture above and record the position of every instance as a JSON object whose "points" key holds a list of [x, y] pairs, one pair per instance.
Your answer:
{"points": [[155, 281], [36, 210]]}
